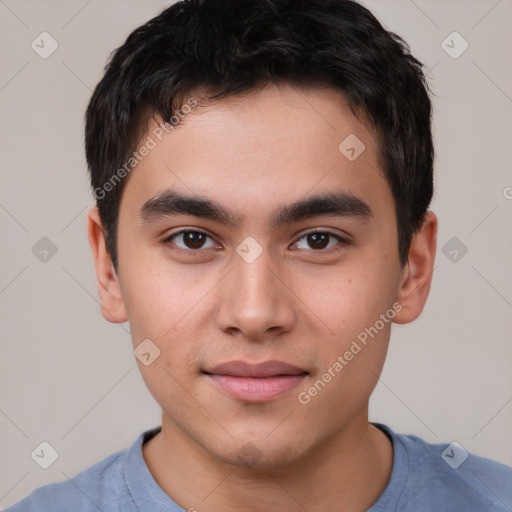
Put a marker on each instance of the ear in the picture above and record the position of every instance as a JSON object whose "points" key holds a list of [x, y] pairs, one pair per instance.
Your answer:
{"points": [[416, 275], [112, 304]]}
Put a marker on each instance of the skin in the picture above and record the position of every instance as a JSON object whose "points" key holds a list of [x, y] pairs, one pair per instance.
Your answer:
{"points": [[295, 303]]}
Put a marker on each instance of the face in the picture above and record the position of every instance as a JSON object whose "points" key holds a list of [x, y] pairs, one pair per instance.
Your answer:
{"points": [[246, 236]]}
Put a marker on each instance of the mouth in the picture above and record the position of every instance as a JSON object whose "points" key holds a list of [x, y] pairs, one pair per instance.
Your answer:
{"points": [[255, 383]]}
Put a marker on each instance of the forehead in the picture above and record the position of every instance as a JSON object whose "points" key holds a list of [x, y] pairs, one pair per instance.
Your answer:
{"points": [[250, 151]]}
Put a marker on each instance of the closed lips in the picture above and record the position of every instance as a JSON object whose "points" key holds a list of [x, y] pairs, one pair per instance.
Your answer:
{"points": [[261, 370]]}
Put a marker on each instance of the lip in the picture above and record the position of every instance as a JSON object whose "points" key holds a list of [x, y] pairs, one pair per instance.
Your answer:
{"points": [[271, 368], [255, 382]]}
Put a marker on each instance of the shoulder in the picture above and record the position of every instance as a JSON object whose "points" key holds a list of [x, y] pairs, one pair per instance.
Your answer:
{"points": [[98, 487], [445, 476]]}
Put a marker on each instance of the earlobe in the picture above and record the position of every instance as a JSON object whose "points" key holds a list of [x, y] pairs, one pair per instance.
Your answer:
{"points": [[112, 304], [417, 274]]}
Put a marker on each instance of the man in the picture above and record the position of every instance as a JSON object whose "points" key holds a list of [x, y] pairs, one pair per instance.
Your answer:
{"points": [[263, 171]]}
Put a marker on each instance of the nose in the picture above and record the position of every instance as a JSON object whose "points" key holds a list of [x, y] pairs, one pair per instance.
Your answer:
{"points": [[256, 300]]}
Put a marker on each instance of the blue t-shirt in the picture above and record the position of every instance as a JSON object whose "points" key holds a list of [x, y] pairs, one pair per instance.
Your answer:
{"points": [[424, 478]]}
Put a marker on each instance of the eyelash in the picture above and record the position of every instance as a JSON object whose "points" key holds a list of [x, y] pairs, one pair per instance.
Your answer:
{"points": [[343, 242]]}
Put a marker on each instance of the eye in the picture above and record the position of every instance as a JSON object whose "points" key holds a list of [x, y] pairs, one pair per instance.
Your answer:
{"points": [[321, 240], [190, 240]]}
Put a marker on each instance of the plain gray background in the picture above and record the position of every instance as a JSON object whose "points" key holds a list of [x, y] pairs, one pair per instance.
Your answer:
{"points": [[69, 378]]}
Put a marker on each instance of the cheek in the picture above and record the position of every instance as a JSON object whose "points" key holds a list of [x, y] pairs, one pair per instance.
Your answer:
{"points": [[160, 296], [346, 299], [168, 308]]}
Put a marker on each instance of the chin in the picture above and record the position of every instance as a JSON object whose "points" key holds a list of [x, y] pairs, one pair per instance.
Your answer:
{"points": [[258, 453]]}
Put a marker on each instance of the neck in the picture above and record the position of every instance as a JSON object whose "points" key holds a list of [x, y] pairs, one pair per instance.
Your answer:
{"points": [[348, 471]]}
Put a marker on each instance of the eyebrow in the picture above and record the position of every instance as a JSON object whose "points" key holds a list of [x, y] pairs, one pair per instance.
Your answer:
{"points": [[171, 203]]}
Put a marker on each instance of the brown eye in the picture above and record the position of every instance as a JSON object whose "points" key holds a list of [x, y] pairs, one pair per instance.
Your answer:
{"points": [[190, 239], [320, 240], [193, 239]]}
